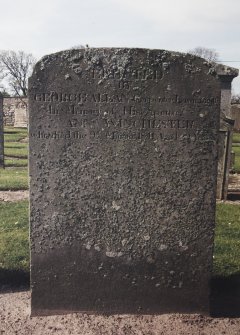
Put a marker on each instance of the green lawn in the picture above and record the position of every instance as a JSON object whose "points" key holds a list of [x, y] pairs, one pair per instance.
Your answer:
{"points": [[14, 242], [227, 240], [13, 179], [236, 138], [15, 149], [236, 149], [15, 152], [17, 145], [11, 162], [12, 134]]}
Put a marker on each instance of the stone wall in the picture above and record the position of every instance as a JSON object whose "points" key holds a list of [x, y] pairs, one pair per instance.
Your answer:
{"points": [[15, 112]]}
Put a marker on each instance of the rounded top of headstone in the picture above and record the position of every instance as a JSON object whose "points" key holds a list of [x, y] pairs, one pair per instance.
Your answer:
{"points": [[120, 59]]}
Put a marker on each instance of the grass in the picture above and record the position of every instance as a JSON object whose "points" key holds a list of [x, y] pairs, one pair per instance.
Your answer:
{"points": [[15, 163], [13, 179], [17, 145], [14, 149], [16, 153], [236, 150], [12, 134], [14, 242], [227, 240], [236, 138]]}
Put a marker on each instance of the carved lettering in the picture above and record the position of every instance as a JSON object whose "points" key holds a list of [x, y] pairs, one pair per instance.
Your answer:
{"points": [[97, 98], [130, 73]]}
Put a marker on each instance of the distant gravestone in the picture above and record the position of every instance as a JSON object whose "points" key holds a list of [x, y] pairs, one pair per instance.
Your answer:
{"points": [[21, 120], [235, 113], [1, 133], [226, 75], [15, 110], [123, 169]]}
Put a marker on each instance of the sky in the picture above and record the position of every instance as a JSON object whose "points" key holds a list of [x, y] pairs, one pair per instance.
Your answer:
{"points": [[46, 26]]}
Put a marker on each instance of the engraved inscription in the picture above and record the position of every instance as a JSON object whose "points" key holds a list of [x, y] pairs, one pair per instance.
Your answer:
{"points": [[131, 73], [83, 97], [122, 116], [114, 135]]}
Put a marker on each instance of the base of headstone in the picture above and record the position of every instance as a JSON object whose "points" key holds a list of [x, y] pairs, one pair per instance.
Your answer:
{"points": [[76, 282]]}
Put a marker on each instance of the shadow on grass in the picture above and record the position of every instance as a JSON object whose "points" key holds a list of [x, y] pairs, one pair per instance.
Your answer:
{"points": [[10, 132], [14, 280], [225, 296]]}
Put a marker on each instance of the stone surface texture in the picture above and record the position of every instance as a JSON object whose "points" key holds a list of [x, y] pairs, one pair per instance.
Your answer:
{"points": [[1, 133], [123, 168]]}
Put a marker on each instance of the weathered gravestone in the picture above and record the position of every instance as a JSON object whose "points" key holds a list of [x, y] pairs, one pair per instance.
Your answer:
{"points": [[123, 171], [235, 113], [1, 133], [15, 112], [226, 75]]}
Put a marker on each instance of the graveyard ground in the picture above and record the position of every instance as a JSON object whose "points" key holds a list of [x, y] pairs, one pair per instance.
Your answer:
{"points": [[14, 262]]}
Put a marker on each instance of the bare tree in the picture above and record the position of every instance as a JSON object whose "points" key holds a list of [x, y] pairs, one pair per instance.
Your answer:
{"points": [[15, 68], [209, 54]]}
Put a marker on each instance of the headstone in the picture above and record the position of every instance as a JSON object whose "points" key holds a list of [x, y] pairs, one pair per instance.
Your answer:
{"points": [[235, 112], [1, 133], [15, 112], [123, 169], [21, 118], [226, 76], [224, 156]]}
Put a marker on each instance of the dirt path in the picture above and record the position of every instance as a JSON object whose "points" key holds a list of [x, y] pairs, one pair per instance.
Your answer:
{"points": [[14, 195], [15, 319]]}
